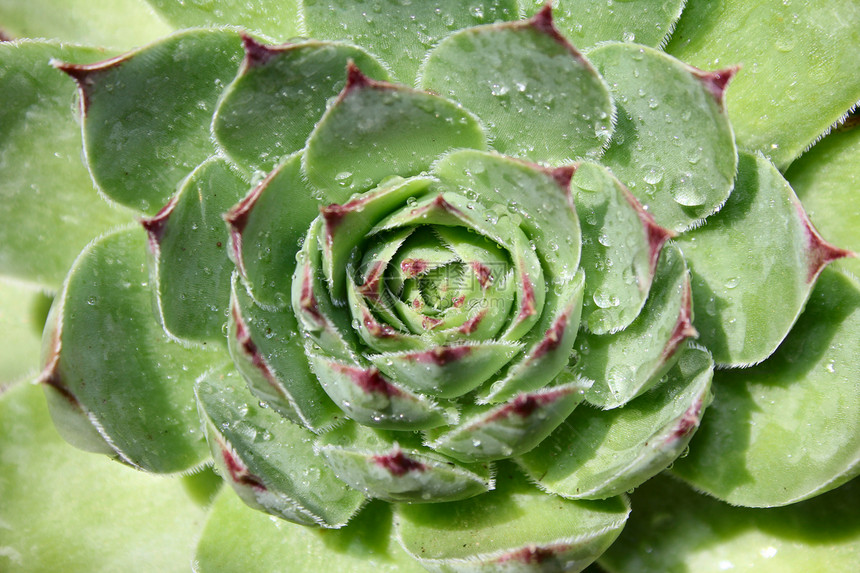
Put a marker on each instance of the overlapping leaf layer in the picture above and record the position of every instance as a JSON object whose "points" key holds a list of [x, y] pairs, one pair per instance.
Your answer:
{"points": [[437, 275]]}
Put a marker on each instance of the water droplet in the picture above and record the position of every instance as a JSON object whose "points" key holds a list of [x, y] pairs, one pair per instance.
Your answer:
{"points": [[733, 282], [653, 174]]}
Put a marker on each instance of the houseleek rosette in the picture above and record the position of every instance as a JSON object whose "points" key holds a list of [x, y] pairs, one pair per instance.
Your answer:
{"points": [[474, 299]]}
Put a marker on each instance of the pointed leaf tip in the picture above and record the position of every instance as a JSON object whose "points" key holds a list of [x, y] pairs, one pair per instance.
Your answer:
{"points": [[84, 74], [156, 225], [355, 79], [684, 328], [398, 464], [543, 22], [237, 219], [563, 175], [256, 53], [657, 235], [237, 469], [717, 82], [821, 253]]}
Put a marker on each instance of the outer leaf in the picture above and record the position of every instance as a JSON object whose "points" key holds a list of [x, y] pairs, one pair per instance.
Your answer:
{"points": [[596, 454], [369, 134], [587, 23], [66, 510], [149, 105], [673, 147], [753, 266], [120, 24], [675, 530], [21, 319], [789, 428], [538, 96], [268, 460], [48, 208], [827, 181], [512, 529], [798, 75], [280, 93], [277, 19], [400, 32], [366, 546], [109, 360], [188, 242]]}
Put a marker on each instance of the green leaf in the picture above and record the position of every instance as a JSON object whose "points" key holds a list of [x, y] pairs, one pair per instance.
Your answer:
{"points": [[21, 321], [188, 242], [826, 181], [515, 528], [267, 349], [267, 259], [152, 105], [400, 32], [587, 23], [510, 429], [789, 428], [675, 530], [118, 24], [621, 244], [596, 454], [627, 363], [371, 399], [48, 208], [798, 66], [753, 266], [280, 93], [447, 371], [394, 466], [673, 146], [110, 360], [375, 130], [539, 98], [366, 546], [66, 510], [277, 19], [269, 461]]}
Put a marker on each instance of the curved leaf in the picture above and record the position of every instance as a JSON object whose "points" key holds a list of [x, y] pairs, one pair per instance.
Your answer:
{"points": [[48, 208], [539, 98], [119, 24], [369, 134], [188, 242], [280, 93], [83, 513], [150, 105], [512, 529], [693, 532], [587, 23], [789, 428], [367, 546], [798, 75], [400, 32], [277, 19], [110, 360], [753, 266]]}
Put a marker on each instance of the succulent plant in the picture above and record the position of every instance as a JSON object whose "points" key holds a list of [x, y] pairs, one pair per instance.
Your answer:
{"points": [[432, 287]]}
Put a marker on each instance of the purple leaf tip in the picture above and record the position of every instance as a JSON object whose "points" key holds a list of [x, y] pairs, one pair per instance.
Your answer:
{"points": [[85, 74], [256, 53], [821, 253], [155, 226], [717, 82], [355, 78]]}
